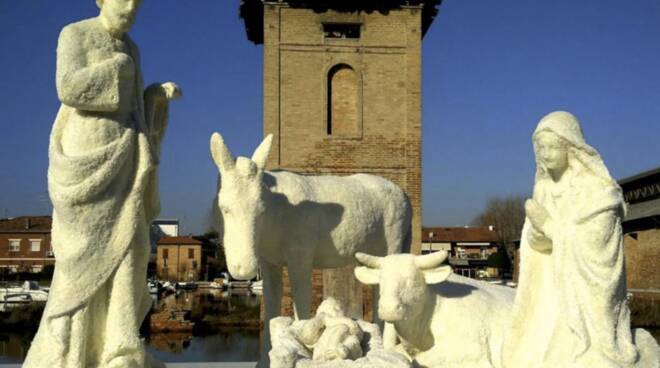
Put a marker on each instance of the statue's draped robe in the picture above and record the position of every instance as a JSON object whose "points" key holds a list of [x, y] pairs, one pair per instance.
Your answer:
{"points": [[570, 308], [104, 198], [570, 305]]}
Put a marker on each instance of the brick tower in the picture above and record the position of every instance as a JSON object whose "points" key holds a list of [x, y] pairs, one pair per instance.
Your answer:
{"points": [[342, 91]]}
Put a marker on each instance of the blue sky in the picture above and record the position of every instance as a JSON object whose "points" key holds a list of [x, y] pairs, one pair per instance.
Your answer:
{"points": [[491, 70]]}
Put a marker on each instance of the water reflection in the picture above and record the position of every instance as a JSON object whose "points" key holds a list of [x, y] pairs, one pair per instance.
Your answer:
{"points": [[170, 342], [13, 347], [226, 327], [230, 345]]}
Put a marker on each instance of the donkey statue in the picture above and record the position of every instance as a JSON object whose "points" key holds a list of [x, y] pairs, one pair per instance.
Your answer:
{"points": [[273, 219]]}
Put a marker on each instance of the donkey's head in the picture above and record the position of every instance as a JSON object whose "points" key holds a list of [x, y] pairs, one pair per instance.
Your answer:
{"points": [[241, 204]]}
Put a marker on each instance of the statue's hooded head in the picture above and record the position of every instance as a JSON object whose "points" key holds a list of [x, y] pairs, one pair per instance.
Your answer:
{"points": [[118, 16], [565, 130]]}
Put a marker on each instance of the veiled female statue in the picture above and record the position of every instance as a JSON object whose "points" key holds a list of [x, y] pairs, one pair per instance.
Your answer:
{"points": [[104, 152], [570, 308]]}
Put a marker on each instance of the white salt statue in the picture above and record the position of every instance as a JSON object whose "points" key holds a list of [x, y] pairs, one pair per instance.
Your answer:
{"points": [[330, 340], [330, 334], [440, 319], [102, 180], [570, 308], [274, 219]]}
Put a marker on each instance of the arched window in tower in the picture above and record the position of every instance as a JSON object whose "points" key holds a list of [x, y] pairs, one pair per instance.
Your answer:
{"points": [[343, 102]]}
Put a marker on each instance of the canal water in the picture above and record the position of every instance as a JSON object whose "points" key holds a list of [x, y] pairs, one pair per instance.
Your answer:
{"points": [[226, 330]]}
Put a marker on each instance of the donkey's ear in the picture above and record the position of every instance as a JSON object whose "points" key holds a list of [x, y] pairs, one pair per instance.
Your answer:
{"points": [[260, 155], [220, 153], [437, 275]]}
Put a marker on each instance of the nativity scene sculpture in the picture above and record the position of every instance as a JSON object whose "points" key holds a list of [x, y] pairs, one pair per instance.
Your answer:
{"points": [[330, 334], [275, 219], [440, 319], [102, 180], [571, 308], [330, 340]]}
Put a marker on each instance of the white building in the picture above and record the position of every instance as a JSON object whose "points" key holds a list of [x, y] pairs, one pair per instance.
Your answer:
{"points": [[161, 228]]}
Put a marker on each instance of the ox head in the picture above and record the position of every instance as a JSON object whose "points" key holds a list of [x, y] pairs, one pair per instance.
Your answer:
{"points": [[402, 279], [241, 203]]}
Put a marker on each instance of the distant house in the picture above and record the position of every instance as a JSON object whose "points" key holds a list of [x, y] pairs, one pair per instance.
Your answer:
{"points": [[25, 244], [468, 247], [179, 258]]}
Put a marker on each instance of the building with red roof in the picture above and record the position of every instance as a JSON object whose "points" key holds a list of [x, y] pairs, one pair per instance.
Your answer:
{"points": [[179, 258], [469, 248]]}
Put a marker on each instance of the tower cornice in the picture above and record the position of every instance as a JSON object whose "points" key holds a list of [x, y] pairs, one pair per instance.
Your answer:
{"points": [[252, 11]]}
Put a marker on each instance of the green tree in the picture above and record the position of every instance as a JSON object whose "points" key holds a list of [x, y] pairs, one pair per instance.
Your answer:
{"points": [[211, 247]]}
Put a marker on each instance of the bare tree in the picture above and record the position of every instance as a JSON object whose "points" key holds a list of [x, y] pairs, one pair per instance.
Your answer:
{"points": [[507, 216]]}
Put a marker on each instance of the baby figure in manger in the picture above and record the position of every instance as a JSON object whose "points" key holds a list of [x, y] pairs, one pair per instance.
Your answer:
{"points": [[570, 308], [102, 180]]}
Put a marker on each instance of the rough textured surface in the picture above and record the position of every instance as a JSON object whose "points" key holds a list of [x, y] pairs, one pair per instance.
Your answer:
{"points": [[275, 219], [571, 308], [642, 255], [104, 152], [329, 340], [437, 319], [375, 122], [386, 59], [330, 334]]}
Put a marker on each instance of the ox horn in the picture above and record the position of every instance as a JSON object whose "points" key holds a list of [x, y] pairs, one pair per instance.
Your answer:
{"points": [[369, 260], [432, 260]]}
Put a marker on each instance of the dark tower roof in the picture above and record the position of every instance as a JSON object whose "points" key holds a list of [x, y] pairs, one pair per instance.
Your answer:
{"points": [[252, 11]]}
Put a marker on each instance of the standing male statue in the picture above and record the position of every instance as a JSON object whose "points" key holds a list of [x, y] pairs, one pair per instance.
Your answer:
{"points": [[102, 180]]}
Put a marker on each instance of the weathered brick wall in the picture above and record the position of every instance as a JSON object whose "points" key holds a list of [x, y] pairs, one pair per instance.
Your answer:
{"points": [[317, 296], [25, 258], [643, 276], [344, 108], [643, 259], [386, 60]]}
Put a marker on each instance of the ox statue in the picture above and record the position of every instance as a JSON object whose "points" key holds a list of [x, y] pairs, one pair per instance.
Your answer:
{"points": [[440, 319], [275, 219]]}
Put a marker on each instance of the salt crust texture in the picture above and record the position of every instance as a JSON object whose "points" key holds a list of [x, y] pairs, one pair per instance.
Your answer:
{"points": [[273, 219], [571, 308], [439, 319], [329, 340], [104, 152]]}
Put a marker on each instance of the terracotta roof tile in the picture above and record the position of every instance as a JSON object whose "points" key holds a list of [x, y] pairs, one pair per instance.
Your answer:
{"points": [[178, 240], [26, 224]]}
